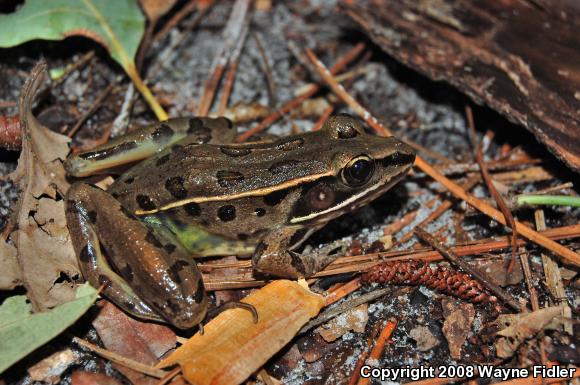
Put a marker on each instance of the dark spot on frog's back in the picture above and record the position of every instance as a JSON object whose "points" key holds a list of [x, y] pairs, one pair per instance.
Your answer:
{"points": [[175, 187], [175, 269], [193, 209], [229, 178], [162, 133], [152, 240], [275, 197], [109, 152], [92, 215], [104, 280], [169, 248], [129, 180], [227, 213], [162, 160], [145, 202], [283, 166], [86, 254], [200, 292], [290, 144], [243, 236], [194, 124], [235, 152], [197, 132]]}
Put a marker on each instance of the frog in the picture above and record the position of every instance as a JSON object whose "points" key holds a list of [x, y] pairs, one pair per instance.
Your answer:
{"points": [[192, 192]]}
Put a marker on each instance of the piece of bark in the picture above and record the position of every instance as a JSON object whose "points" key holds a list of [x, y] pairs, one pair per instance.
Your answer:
{"points": [[519, 57]]}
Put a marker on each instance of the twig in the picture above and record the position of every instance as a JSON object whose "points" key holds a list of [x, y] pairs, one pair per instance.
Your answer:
{"points": [[232, 32], [363, 357], [342, 291], [344, 307], [323, 118], [508, 217], [267, 71], [443, 207], [377, 350], [94, 107], [169, 376], [492, 165], [176, 19], [114, 357], [344, 95], [565, 253], [308, 92], [231, 74], [359, 263], [458, 262]]}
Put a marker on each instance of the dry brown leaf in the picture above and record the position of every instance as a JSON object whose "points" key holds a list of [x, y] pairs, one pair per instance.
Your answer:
{"points": [[233, 346], [458, 320], [44, 255], [11, 275], [495, 269], [50, 369], [355, 319], [516, 328], [424, 338], [154, 9], [81, 377], [144, 342]]}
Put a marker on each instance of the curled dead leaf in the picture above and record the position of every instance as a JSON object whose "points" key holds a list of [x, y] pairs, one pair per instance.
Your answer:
{"points": [[233, 346], [44, 252], [516, 328]]}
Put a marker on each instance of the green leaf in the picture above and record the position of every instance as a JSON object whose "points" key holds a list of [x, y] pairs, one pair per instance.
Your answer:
{"points": [[22, 331], [118, 25]]}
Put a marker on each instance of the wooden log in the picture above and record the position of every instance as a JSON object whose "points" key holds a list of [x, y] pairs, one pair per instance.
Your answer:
{"points": [[521, 58]]}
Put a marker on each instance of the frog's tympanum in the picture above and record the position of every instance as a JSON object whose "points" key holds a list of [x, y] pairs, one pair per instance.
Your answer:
{"points": [[196, 193]]}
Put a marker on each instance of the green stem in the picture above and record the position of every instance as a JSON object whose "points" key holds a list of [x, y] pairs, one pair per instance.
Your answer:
{"points": [[142, 87], [554, 200]]}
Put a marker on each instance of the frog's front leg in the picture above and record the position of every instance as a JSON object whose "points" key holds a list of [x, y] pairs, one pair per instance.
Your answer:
{"points": [[146, 141], [146, 273], [276, 254]]}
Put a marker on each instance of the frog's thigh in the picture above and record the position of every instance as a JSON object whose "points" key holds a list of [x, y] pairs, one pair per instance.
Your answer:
{"points": [[168, 280], [274, 254], [92, 262], [146, 141]]}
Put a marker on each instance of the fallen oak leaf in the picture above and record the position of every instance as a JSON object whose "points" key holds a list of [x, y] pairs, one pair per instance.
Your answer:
{"points": [[42, 255]]}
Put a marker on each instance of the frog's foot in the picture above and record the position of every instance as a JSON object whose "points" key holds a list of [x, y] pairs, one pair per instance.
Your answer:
{"points": [[229, 305], [234, 305], [146, 141], [291, 264]]}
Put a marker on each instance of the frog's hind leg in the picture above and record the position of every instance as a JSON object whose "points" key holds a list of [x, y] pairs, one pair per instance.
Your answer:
{"points": [[122, 254], [148, 140]]}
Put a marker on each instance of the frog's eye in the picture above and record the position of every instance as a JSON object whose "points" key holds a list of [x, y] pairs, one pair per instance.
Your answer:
{"points": [[358, 171]]}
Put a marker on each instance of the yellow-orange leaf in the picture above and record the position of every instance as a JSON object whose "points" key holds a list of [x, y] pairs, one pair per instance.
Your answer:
{"points": [[233, 346]]}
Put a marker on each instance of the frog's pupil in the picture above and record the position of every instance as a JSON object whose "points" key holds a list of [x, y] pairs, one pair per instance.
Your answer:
{"points": [[360, 171]]}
